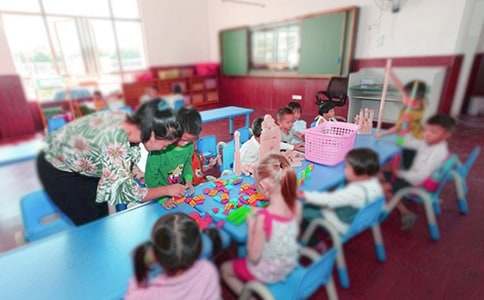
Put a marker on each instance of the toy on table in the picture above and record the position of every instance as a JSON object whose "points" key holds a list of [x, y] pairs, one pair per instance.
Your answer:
{"points": [[364, 120], [202, 221], [239, 215], [305, 174]]}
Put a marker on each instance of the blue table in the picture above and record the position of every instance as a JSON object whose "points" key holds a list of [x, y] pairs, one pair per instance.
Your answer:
{"points": [[11, 154], [229, 112], [88, 262]]}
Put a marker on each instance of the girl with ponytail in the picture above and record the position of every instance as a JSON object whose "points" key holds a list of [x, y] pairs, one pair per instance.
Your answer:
{"points": [[272, 231], [175, 246]]}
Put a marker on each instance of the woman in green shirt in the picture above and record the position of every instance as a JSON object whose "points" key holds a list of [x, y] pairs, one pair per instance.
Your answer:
{"points": [[89, 162]]}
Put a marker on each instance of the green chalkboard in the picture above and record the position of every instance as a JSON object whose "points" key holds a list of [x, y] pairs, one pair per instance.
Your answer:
{"points": [[235, 52], [322, 44]]}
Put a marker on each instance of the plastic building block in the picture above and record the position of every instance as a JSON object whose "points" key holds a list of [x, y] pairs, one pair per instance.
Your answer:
{"points": [[220, 224], [239, 215], [202, 221], [215, 210]]}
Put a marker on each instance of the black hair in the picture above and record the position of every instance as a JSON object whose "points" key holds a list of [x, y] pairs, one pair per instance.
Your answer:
{"points": [[97, 93], [155, 117], [214, 236], [257, 127], [176, 243], [442, 120], [190, 120], [284, 111], [177, 89], [364, 161], [293, 105], [155, 87], [420, 89], [325, 107]]}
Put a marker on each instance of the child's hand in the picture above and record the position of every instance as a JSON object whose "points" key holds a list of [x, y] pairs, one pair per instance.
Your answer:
{"points": [[299, 147], [175, 190], [169, 203], [189, 189], [212, 162], [300, 194]]}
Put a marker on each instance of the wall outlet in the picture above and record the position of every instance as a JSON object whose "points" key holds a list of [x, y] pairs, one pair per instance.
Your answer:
{"points": [[297, 97]]}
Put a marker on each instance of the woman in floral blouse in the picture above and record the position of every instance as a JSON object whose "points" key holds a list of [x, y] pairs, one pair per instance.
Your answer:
{"points": [[90, 161]]}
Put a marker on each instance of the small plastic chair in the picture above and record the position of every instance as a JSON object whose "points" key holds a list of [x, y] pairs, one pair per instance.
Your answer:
{"points": [[207, 146], [41, 217], [245, 134], [366, 218], [301, 283], [55, 123], [228, 150], [430, 200], [460, 179]]}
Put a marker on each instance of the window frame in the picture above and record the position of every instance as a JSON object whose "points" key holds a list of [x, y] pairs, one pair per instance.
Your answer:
{"points": [[124, 74]]}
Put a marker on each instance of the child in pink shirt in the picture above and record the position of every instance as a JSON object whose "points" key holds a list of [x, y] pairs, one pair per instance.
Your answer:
{"points": [[175, 245]]}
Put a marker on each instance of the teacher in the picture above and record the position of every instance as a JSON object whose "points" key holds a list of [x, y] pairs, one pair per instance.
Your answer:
{"points": [[90, 161]]}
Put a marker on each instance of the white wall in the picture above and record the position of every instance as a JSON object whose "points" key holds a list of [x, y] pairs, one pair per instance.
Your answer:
{"points": [[422, 27], [6, 63], [176, 31]]}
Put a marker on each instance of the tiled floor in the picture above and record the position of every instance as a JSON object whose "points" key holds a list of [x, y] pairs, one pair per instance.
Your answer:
{"points": [[417, 268]]}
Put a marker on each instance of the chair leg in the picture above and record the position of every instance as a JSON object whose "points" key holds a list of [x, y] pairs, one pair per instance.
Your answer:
{"points": [[429, 211], [461, 188], [331, 289], [308, 233], [436, 205], [254, 287], [379, 246]]}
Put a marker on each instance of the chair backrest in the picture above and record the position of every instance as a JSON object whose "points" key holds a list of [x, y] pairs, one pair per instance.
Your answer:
{"points": [[317, 274], [207, 145], [471, 159], [336, 92], [365, 218], [245, 134], [442, 175], [228, 150], [55, 123]]}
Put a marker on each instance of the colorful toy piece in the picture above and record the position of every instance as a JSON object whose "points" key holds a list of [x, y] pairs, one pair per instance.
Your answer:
{"points": [[202, 221], [239, 215], [179, 200], [305, 174]]}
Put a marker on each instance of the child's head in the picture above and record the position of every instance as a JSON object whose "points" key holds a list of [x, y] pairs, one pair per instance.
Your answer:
{"points": [[257, 127], [361, 163], [152, 91], [191, 123], [326, 110], [156, 125], [97, 95], [175, 244], [438, 128], [275, 175], [296, 109], [416, 90], [285, 118]]}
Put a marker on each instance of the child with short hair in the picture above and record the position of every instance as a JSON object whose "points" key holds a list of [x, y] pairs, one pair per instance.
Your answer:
{"points": [[175, 246], [431, 153], [272, 245], [299, 125], [326, 113], [289, 137], [249, 152], [341, 206], [174, 164], [150, 93]]}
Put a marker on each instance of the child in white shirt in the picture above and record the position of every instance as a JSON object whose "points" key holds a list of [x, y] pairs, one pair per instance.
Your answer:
{"points": [[299, 125], [285, 120], [432, 152], [249, 152], [341, 206], [326, 113]]}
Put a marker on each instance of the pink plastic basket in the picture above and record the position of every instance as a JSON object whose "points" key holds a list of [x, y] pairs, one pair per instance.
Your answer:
{"points": [[329, 142]]}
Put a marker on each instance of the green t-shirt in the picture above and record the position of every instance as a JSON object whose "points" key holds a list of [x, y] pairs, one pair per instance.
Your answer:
{"points": [[169, 166]]}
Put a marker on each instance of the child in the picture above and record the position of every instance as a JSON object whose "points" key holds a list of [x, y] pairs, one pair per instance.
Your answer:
{"points": [[174, 164], [431, 152], [299, 125], [326, 113], [98, 100], [175, 246], [272, 232], [249, 152], [151, 93], [293, 140], [341, 206]]}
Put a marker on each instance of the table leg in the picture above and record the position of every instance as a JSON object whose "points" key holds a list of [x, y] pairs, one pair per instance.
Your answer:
{"points": [[247, 120], [231, 125]]}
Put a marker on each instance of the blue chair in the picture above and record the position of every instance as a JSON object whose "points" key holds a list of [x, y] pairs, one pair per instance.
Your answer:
{"points": [[430, 200], [245, 134], [55, 123], [366, 218], [460, 179], [207, 146], [228, 150], [301, 283], [179, 103], [41, 217]]}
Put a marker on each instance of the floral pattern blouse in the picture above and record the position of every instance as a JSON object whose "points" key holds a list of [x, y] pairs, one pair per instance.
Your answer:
{"points": [[97, 146]]}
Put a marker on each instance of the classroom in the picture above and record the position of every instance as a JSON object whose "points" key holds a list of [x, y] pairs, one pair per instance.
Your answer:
{"points": [[241, 149]]}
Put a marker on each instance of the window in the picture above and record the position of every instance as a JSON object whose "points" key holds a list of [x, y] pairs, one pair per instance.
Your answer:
{"points": [[275, 48], [58, 44]]}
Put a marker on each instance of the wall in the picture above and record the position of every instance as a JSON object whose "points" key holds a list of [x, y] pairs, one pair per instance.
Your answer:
{"points": [[175, 31], [422, 27], [6, 63]]}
